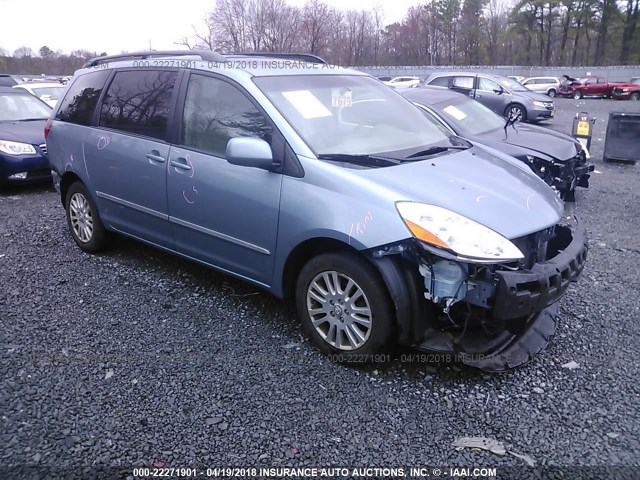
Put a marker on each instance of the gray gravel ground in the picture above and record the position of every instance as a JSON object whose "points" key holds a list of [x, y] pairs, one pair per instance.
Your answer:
{"points": [[136, 357]]}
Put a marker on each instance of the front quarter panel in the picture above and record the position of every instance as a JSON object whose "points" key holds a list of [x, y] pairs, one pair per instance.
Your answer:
{"points": [[332, 202]]}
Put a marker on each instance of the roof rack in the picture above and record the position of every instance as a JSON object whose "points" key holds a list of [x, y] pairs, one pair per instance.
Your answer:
{"points": [[207, 55], [305, 57]]}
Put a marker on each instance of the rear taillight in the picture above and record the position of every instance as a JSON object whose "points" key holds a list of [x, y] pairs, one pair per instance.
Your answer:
{"points": [[47, 128]]}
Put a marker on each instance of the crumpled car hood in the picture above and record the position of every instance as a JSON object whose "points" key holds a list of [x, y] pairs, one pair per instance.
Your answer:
{"points": [[536, 139]]}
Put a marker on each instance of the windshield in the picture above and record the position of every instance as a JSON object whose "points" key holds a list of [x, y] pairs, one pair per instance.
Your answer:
{"points": [[349, 114], [512, 85], [635, 81], [54, 93], [16, 106], [468, 116]]}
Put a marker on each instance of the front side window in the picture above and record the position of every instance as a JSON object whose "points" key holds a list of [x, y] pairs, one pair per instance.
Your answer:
{"points": [[82, 97], [215, 112], [139, 101], [350, 114], [487, 85]]}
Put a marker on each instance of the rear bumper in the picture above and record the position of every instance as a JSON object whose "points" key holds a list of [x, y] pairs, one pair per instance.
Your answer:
{"points": [[524, 293]]}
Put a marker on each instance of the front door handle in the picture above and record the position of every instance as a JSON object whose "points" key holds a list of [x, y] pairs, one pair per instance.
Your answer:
{"points": [[154, 156], [180, 163]]}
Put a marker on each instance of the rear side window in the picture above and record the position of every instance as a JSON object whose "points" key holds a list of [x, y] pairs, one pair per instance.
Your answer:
{"points": [[139, 101], [81, 98], [440, 82], [463, 82], [215, 112]]}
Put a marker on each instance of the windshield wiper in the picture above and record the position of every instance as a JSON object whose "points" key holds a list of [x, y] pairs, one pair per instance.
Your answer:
{"points": [[367, 160], [436, 149]]}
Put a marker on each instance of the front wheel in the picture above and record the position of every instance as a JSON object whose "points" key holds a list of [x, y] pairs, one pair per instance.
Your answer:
{"points": [[344, 306], [552, 93], [516, 113], [83, 219], [635, 96], [577, 95]]}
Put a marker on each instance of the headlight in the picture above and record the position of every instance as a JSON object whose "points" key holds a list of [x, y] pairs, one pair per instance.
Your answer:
{"points": [[539, 104], [625, 89], [16, 148], [442, 228]]}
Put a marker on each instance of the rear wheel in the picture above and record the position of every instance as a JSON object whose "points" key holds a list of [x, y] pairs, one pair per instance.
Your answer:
{"points": [[344, 306], [552, 93], [577, 95], [83, 219], [635, 96]]}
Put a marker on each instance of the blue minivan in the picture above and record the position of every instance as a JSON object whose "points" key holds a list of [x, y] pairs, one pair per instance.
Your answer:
{"points": [[319, 184]]}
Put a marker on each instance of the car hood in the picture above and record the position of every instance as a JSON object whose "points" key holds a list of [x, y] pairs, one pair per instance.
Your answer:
{"points": [[533, 138], [501, 194], [627, 85], [540, 97], [23, 131]]}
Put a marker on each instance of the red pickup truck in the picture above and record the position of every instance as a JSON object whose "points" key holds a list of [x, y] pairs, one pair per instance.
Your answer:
{"points": [[585, 87], [627, 91]]}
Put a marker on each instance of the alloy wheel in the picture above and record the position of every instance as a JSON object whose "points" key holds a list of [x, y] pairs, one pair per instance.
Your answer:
{"points": [[339, 310], [81, 218]]}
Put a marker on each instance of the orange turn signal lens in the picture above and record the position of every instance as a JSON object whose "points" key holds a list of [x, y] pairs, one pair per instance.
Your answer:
{"points": [[424, 235]]}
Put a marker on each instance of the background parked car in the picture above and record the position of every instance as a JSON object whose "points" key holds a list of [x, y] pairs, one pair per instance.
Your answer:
{"points": [[592, 86], [23, 152], [7, 80], [403, 82], [48, 92], [547, 85], [627, 91], [558, 159], [501, 94]]}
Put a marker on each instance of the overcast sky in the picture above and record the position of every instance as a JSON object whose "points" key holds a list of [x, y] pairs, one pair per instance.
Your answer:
{"points": [[117, 25]]}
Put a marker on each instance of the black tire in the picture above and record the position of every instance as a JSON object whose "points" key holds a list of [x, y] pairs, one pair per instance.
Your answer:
{"points": [[577, 95], [635, 96], [375, 296], [552, 93], [513, 108], [97, 240]]}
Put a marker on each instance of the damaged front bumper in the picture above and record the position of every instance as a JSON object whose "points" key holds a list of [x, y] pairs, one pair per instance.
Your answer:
{"points": [[564, 176], [493, 317]]}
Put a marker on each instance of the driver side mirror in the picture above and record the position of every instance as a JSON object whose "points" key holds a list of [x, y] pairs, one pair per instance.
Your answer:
{"points": [[499, 90], [249, 152]]}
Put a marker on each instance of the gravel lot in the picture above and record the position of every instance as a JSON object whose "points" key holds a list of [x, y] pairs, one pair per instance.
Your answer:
{"points": [[136, 357]]}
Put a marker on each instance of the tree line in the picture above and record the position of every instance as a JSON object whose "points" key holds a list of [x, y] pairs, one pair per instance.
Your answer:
{"points": [[438, 32]]}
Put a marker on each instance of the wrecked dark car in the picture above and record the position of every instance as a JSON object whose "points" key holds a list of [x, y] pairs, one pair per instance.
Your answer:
{"points": [[327, 187], [561, 161]]}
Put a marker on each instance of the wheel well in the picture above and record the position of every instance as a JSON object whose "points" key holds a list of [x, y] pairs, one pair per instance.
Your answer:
{"points": [[67, 180], [552, 89], [305, 252]]}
